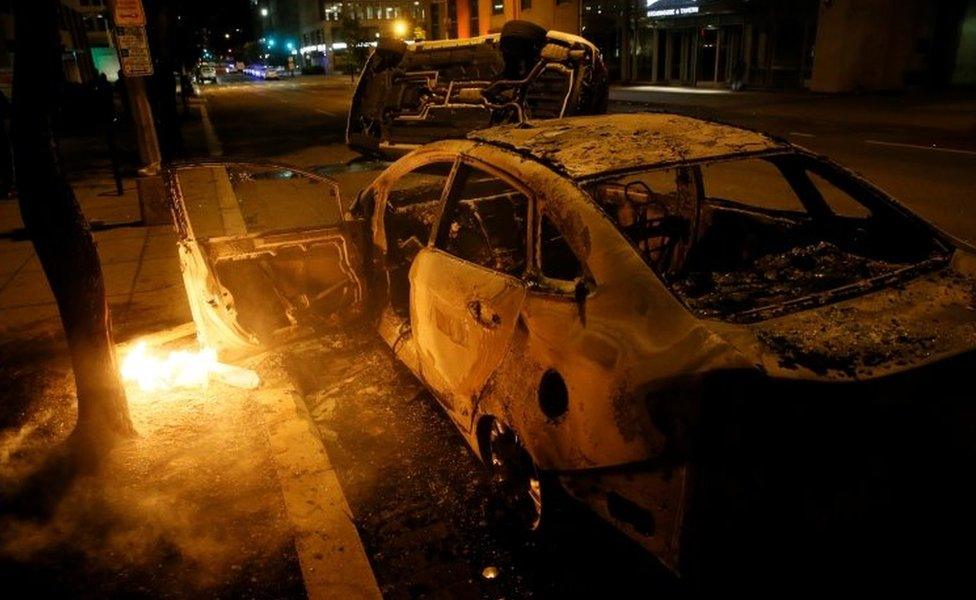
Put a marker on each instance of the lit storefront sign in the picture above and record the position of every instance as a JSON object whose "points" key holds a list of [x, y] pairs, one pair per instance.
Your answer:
{"points": [[671, 8]]}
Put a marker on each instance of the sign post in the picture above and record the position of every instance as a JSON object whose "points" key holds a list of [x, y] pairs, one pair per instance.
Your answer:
{"points": [[129, 19], [133, 51], [129, 13]]}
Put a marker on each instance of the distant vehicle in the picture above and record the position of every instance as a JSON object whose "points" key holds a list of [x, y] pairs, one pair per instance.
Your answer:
{"points": [[230, 67], [744, 356], [409, 95], [206, 72], [261, 71]]}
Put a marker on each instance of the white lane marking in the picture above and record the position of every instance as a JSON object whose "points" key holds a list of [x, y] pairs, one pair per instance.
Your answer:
{"points": [[919, 147], [213, 142], [801, 134], [325, 112]]}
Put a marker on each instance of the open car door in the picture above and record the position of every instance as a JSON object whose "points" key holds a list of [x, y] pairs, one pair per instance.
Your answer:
{"points": [[264, 251]]}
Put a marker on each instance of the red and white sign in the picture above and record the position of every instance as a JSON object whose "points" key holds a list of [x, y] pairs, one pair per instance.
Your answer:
{"points": [[129, 13]]}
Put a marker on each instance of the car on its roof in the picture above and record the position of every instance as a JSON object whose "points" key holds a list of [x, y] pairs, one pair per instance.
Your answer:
{"points": [[412, 94], [734, 350]]}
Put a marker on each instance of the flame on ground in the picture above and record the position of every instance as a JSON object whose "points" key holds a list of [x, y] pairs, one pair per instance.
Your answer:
{"points": [[181, 369]]}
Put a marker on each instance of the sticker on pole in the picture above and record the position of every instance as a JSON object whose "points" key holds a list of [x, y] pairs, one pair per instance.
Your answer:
{"points": [[129, 13], [133, 51]]}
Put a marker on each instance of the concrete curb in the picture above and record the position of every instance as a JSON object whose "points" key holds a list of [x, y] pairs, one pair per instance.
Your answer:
{"points": [[333, 561]]}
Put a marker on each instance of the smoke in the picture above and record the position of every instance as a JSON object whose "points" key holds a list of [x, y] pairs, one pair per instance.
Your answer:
{"points": [[190, 506]]}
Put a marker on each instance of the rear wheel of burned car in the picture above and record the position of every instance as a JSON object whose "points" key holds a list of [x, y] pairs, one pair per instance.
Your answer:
{"points": [[514, 507]]}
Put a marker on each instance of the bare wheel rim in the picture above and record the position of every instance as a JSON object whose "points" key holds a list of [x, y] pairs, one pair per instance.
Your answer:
{"points": [[514, 478]]}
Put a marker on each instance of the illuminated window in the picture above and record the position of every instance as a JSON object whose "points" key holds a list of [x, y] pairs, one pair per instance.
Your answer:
{"points": [[473, 25]]}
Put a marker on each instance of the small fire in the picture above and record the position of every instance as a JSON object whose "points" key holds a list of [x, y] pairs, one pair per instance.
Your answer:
{"points": [[181, 369]]}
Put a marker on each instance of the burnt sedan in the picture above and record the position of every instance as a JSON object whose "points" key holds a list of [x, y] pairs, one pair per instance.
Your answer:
{"points": [[728, 346]]}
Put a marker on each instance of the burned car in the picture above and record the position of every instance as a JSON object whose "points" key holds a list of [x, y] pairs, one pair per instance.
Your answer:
{"points": [[409, 95], [728, 346]]}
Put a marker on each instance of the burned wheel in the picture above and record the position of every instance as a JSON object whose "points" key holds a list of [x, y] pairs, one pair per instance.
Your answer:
{"points": [[515, 504]]}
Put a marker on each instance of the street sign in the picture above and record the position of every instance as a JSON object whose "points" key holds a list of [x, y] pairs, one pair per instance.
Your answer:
{"points": [[133, 51], [129, 13]]}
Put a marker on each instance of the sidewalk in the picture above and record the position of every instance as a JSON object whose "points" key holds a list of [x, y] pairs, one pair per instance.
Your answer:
{"points": [[949, 114], [139, 264], [225, 493]]}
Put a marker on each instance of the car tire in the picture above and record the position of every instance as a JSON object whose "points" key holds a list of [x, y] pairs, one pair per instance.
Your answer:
{"points": [[390, 52], [514, 507], [521, 43], [525, 31]]}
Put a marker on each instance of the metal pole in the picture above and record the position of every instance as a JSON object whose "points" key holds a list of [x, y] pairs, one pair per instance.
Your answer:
{"points": [[142, 119], [145, 127]]}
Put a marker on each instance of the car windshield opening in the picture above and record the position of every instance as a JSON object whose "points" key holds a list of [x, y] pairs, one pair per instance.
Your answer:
{"points": [[734, 238]]}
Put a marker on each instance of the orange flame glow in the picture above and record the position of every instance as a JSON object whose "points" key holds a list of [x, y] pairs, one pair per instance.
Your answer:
{"points": [[181, 369]]}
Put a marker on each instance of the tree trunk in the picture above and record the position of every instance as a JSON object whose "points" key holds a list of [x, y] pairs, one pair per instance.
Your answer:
{"points": [[59, 231]]}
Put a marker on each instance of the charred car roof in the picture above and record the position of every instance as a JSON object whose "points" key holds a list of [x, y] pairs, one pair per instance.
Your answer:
{"points": [[590, 146]]}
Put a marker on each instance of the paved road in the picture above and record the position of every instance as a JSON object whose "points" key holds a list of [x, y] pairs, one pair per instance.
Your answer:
{"points": [[260, 119]]}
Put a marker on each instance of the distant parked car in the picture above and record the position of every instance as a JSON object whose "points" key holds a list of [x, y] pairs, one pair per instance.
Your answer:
{"points": [[409, 95], [262, 71], [206, 72]]}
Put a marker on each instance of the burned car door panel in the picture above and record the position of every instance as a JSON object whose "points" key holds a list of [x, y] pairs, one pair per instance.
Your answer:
{"points": [[263, 248], [466, 292], [462, 326]]}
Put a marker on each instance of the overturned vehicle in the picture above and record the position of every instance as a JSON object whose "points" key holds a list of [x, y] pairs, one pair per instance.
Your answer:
{"points": [[409, 95], [738, 352]]}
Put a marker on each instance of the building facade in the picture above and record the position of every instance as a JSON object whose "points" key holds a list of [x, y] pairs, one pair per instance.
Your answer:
{"points": [[823, 45], [96, 22], [322, 31], [470, 18], [76, 58], [329, 31]]}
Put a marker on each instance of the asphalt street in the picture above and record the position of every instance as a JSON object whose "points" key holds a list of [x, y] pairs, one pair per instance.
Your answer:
{"points": [[261, 119], [412, 487]]}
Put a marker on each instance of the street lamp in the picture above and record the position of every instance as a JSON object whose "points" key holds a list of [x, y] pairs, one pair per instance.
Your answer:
{"points": [[400, 28], [264, 12]]}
